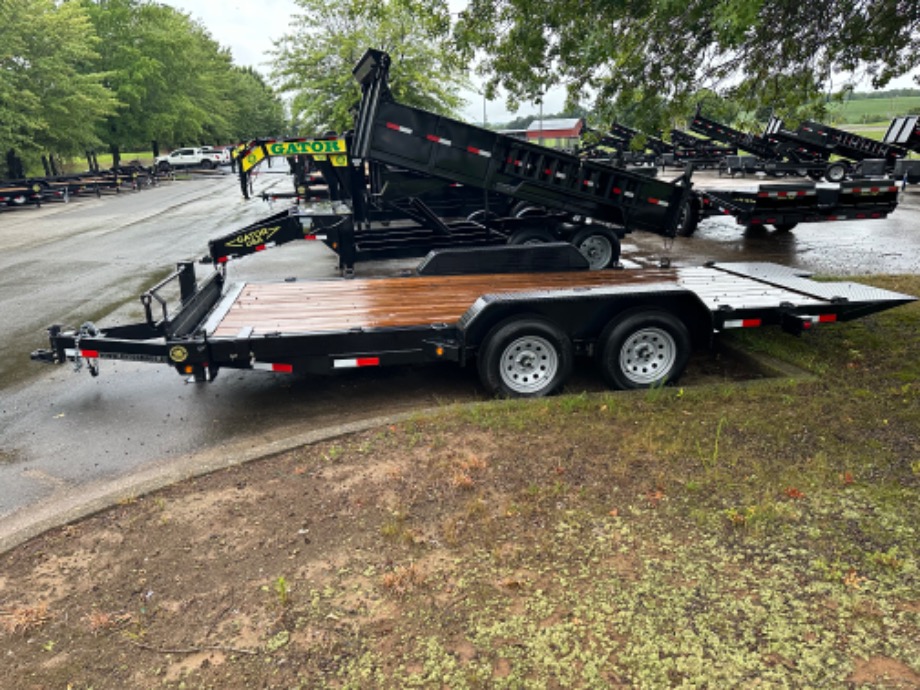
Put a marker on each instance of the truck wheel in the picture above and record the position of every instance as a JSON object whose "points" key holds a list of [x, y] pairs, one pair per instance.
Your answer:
{"points": [[836, 172], [207, 164], [531, 236], [689, 220], [525, 357], [641, 349], [164, 167], [599, 246]]}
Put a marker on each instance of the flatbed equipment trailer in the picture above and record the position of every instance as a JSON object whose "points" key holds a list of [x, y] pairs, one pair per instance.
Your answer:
{"points": [[584, 202], [522, 329], [784, 206]]}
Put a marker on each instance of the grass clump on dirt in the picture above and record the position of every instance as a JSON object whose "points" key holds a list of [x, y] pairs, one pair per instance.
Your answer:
{"points": [[760, 535]]}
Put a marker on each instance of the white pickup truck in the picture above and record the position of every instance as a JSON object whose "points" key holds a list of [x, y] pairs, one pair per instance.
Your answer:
{"points": [[190, 157]]}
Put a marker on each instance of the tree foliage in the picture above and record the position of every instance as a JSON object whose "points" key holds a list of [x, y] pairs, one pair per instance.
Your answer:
{"points": [[176, 84], [50, 90], [314, 61], [81, 74], [654, 56]]}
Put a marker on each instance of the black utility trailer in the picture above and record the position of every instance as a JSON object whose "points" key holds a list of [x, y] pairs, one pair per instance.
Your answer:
{"points": [[784, 206], [553, 195], [521, 314]]}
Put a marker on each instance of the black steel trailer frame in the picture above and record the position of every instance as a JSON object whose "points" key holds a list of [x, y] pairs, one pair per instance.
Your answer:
{"points": [[784, 206], [523, 323]]}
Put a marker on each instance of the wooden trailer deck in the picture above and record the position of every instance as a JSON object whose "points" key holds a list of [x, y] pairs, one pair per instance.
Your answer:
{"points": [[340, 305], [320, 306]]}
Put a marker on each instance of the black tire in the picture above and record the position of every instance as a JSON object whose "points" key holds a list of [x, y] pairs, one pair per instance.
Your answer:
{"points": [[689, 220], [525, 357], [785, 227], [641, 349], [481, 216], [526, 209], [836, 172], [815, 175], [531, 236], [164, 167], [207, 164], [599, 246]]}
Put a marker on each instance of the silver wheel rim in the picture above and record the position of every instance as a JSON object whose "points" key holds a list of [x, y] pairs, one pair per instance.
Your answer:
{"points": [[648, 355], [598, 250], [529, 364]]}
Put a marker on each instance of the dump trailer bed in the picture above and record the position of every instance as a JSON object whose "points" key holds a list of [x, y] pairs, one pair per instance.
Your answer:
{"points": [[522, 328]]}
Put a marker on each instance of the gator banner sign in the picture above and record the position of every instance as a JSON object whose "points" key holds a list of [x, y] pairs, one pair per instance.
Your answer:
{"points": [[320, 149]]}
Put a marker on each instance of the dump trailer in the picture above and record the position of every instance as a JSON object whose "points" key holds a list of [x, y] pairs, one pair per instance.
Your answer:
{"points": [[777, 152], [557, 195], [787, 205], [521, 314]]}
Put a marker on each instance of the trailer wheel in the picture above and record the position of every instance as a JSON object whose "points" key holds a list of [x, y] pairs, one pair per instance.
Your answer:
{"points": [[642, 349], [689, 220], [525, 357], [836, 172], [531, 236], [599, 246], [815, 175], [785, 227]]}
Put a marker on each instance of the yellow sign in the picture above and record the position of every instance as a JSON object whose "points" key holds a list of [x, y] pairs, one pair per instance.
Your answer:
{"points": [[317, 148], [178, 354]]}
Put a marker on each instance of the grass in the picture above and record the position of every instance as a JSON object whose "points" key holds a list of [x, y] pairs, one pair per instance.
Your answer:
{"points": [[726, 536], [874, 110]]}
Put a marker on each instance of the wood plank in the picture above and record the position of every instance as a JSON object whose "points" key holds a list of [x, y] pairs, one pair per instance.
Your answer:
{"points": [[329, 306]]}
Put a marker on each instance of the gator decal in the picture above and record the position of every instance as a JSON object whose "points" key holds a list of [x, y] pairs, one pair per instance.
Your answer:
{"points": [[253, 238], [335, 149]]}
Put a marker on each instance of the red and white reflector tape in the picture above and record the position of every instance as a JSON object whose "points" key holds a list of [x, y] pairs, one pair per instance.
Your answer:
{"points": [[274, 366], [479, 152], [742, 323], [398, 128], [438, 140], [356, 362], [315, 237]]}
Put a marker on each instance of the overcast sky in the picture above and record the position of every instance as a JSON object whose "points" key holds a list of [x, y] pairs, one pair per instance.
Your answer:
{"points": [[251, 28]]}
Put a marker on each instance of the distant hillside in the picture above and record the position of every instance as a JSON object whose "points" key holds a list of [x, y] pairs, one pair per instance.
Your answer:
{"points": [[879, 107]]}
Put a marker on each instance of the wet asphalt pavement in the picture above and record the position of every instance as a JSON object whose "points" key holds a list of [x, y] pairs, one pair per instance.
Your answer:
{"points": [[62, 433]]}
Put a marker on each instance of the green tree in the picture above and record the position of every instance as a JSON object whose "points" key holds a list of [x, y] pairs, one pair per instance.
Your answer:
{"points": [[51, 97], [652, 56], [257, 110], [314, 62], [172, 79]]}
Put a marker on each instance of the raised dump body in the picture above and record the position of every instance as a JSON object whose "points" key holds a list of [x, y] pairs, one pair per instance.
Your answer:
{"points": [[424, 142], [847, 144], [757, 145]]}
